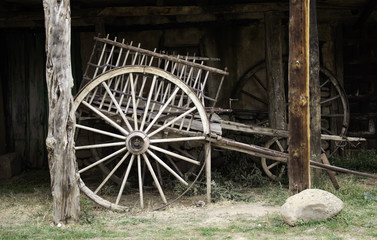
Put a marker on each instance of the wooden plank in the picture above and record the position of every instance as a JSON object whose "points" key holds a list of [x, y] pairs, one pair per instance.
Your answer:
{"points": [[2, 120], [275, 76], [298, 94], [315, 92], [17, 106]]}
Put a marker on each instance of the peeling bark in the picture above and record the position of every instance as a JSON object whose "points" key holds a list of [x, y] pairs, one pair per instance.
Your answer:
{"points": [[61, 120]]}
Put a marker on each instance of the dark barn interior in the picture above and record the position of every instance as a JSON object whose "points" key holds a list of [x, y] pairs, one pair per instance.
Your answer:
{"points": [[233, 31]]}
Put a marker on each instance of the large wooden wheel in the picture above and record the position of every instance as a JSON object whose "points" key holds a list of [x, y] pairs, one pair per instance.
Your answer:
{"points": [[141, 121], [252, 87]]}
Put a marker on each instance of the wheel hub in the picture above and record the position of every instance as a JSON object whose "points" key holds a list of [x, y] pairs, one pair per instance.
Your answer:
{"points": [[137, 142]]}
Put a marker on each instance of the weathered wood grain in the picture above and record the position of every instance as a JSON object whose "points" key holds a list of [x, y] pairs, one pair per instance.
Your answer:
{"points": [[298, 94], [61, 120]]}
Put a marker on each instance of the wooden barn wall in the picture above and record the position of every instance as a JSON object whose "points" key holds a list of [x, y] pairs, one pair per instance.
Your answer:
{"points": [[24, 95], [23, 82], [22, 70]]}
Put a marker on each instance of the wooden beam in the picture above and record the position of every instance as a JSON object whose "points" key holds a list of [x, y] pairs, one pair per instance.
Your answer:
{"points": [[298, 94], [315, 91], [274, 70]]}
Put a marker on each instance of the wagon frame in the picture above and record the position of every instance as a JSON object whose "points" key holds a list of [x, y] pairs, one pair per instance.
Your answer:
{"points": [[144, 99]]}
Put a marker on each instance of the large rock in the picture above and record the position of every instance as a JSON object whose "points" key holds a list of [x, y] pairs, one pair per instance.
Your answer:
{"points": [[310, 204]]}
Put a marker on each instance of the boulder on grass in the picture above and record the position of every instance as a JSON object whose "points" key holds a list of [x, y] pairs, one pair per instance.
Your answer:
{"points": [[310, 204]]}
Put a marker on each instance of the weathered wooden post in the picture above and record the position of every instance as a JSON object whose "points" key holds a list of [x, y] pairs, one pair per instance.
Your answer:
{"points": [[298, 96], [315, 92], [61, 120], [274, 70]]}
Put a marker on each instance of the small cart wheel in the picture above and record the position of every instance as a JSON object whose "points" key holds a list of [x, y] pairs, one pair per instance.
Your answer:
{"points": [[140, 115], [275, 169]]}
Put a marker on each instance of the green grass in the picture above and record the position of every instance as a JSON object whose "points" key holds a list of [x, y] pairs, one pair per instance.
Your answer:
{"points": [[26, 210]]}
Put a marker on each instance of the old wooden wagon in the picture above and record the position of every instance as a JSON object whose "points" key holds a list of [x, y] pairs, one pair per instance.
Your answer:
{"points": [[145, 119]]}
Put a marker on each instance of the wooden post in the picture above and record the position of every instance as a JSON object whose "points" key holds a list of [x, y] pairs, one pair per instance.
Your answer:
{"points": [[61, 120], [315, 92], [298, 95], [275, 77]]}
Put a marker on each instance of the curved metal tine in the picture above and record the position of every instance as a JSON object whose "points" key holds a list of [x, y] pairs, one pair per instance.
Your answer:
{"points": [[133, 101], [117, 106], [100, 131], [124, 91], [111, 173], [103, 159], [174, 155], [140, 181], [135, 56], [144, 81], [166, 167], [162, 109], [127, 54], [171, 122], [198, 76], [124, 181], [154, 178], [202, 86], [96, 71], [118, 77], [109, 58], [146, 108], [102, 145]]}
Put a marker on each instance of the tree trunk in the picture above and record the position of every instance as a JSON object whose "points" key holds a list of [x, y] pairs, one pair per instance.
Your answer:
{"points": [[61, 120]]}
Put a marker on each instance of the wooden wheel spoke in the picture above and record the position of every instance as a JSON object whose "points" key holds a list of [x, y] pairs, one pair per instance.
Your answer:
{"points": [[280, 146], [125, 179], [324, 83], [154, 178], [254, 97], [174, 155], [101, 145], [162, 109], [134, 106], [112, 172], [182, 139], [140, 177], [117, 105], [103, 116], [172, 121], [330, 99], [103, 159], [260, 82], [146, 109], [100, 131], [167, 167], [273, 165]]}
